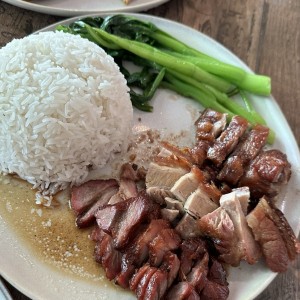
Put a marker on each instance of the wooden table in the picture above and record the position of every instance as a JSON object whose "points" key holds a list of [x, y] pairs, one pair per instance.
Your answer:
{"points": [[263, 33]]}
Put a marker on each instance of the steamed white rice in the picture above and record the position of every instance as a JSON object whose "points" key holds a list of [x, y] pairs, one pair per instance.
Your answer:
{"points": [[64, 108]]}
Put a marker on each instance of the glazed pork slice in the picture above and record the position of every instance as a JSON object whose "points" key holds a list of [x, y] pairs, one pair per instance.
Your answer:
{"points": [[182, 291], [227, 141], [208, 126], [170, 264], [83, 196], [166, 240], [86, 218], [191, 250], [234, 167], [274, 234], [122, 219], [248, 247], [266, 173]]}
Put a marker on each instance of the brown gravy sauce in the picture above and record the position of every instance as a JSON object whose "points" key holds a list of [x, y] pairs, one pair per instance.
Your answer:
{"points": [[49, 232]]}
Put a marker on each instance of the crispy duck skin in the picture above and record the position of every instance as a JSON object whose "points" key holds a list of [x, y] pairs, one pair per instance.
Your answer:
{"points": [[266, 173], [83, 196], [274, 234], [245, 151], [227, 141]]}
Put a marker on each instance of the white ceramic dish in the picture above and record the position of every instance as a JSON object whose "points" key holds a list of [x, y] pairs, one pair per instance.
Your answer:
{"points": [[69, 8], [171, 114]]}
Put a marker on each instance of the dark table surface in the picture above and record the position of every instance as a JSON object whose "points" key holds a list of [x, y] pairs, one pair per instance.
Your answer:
{"points": [[265, 34]]}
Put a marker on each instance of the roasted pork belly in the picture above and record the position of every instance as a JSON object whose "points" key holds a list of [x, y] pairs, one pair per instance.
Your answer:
{"points": [[234, 167], [159, 194], [227, 141], [247, 246], [266, 173], [163, 176], [219, 227], [208, 126], [187, 227], [274, 234]]}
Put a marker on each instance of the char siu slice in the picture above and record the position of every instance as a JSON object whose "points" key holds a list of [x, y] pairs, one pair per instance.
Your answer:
{"points": [[274, 234], [246, 151], [140, 248], [83, 196], [208, 126], [217, 272], [219, 227], [108, 256], [157, 286], [143, 284], [227, 141], [266, 173], [122, 219], [86, 218], [191, 250], [182, 291], [166, 240], [248, 247], [214, 291], [187, 227], [197, 276], [163, 176], [170, 264]]}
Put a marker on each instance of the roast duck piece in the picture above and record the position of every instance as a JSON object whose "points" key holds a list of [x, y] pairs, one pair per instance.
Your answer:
{"points": [[167, 233]]}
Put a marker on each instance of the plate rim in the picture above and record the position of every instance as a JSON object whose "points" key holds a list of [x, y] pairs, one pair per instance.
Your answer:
{"points": [[70, 12]]}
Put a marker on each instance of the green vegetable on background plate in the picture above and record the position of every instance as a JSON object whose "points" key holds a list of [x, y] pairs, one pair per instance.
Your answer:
{"points": [[166, 62]]}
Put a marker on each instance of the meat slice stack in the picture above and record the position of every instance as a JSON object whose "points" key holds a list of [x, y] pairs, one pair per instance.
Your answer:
{"points": [[198, 207]]}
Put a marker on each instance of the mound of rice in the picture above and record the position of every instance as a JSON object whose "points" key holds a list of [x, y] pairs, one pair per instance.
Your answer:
{"points": [[64, 108]]}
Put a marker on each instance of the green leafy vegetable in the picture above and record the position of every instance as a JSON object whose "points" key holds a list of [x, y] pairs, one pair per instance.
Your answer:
{"points": [[166, 62]]}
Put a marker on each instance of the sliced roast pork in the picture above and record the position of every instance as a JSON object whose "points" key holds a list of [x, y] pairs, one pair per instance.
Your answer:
{"points": [[187, 227], [246, 245], [163, 176], [246, 150], [227, 141], [266, 173], [274, 234], [83, 196], [219, 227], [182, 291], [88, 197], [122, 219], [208, 126]]}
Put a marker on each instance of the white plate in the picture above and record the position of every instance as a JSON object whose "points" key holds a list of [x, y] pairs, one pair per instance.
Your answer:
{"points": [[171, 113], [69, 8]]}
